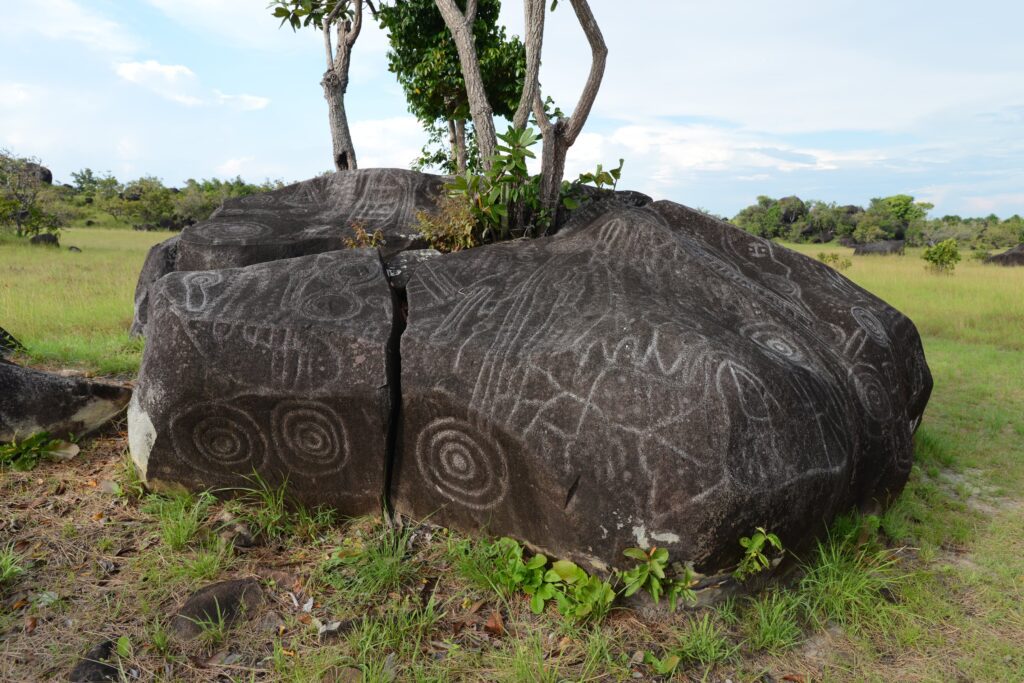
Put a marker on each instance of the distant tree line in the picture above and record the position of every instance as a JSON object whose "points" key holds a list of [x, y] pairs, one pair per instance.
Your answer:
{"points": [[31, 204], [898, 217]]}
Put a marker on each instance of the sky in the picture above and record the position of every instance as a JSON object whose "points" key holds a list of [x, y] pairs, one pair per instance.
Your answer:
{"points": [[710, 103]]}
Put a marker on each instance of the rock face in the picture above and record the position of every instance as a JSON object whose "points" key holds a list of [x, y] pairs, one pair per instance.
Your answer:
{"points": [[8, 344], [885, 247], [653, 377], [311, 217], [647, 376], [32, 401], [161, 260], [1010, 257], [280, 368]]}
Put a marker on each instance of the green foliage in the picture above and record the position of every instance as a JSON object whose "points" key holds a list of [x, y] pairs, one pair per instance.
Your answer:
{"points": [[304, 13], [773, 622], [942, 257], [423, 57], [11, 566], [506, 197], [704, 642], [369, 567], [213, 628], [362, 239], [600, 178], [845, 581], [754, 559], [262, 507], [663, 666], [25, 455], [834, 260], [179, 516], [24, 204]]}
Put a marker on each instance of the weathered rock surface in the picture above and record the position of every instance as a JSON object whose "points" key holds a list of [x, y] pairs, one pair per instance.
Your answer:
{"points": [[33, 401], [226, 601], [160, 261], [651, 377], [885, 247], [282, 368], [1010, 257], [312, 217]]}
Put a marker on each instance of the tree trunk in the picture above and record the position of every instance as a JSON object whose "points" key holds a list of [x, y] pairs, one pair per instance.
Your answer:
{"points": [[460, 145], [341, 138], [335, 80], [534, 11], [560, 135], [461, 27], [552, 168]]}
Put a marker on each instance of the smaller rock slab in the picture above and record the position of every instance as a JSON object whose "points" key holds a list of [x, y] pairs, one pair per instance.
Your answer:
{"points": [[32, 401], [226, 601], [281, 368]]}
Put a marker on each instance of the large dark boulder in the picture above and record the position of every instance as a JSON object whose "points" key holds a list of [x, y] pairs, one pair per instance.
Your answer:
{"points": [[883, 248], [42, 174], [280, 368], [33, 401], [160, 261], [651, 377], [45, 239], [1010, 257], [312, 217]]}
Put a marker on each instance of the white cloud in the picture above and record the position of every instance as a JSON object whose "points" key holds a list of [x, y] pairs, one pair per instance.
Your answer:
{"points": [[243, 102], [233, 167], [178, 83], [174, 82], [66, 20], [389, 142]]}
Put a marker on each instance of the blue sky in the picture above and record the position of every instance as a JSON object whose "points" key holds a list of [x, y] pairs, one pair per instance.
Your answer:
{"points": [[711, 104]]}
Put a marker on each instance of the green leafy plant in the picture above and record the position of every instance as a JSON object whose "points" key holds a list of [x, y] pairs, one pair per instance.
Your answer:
{"points": [[362, 239], [25, 455], [453, 227], [663, 666], [651, 575], [602, 178], [754, 558], [942, 257]]}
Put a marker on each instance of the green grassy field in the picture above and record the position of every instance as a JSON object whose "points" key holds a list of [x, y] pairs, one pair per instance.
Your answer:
{"points": [[931, 590], [75, 309]]}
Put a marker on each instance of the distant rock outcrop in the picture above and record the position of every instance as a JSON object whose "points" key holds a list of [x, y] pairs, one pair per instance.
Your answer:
{"points": [[1010, 257]]}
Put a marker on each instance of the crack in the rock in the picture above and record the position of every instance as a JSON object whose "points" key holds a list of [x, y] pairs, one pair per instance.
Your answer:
{"points": [[399, 314]]}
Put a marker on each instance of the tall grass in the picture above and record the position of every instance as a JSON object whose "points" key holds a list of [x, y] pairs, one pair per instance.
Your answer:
{"points": [[75, 309]]}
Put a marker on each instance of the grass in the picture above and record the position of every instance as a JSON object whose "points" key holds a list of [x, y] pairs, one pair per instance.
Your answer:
{"points": [[931, 590], [10, 565], [73, 309]]}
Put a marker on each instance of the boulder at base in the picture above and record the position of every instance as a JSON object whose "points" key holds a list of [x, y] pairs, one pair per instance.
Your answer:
{"points": [[654, 377], [279, 368], [45, 239], [32, 401], [312, 217], [160, 261], [1010, 257], [884, 248]]}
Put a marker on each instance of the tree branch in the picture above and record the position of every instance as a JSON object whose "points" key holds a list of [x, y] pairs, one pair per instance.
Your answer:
{"points": [[470, 14], [599, 55], [534, 38], [357, 22]]}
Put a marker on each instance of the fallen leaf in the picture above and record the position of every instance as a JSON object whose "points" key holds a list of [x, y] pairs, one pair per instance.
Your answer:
{"points": [[30, 624], [495, 624], [305, 618], [794, 678], [65, 451]]}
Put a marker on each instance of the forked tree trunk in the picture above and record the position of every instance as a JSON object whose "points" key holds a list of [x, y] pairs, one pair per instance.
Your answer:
{"points": [[335, 80], [559, 136], [461, 27]]}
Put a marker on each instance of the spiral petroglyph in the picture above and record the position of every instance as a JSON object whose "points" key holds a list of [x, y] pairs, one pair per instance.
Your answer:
{"points": [[872, 394], [217, 437], [773, 340], [870, 324], [463, 465], [240, 229], [198, 286], [312, 434]]}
